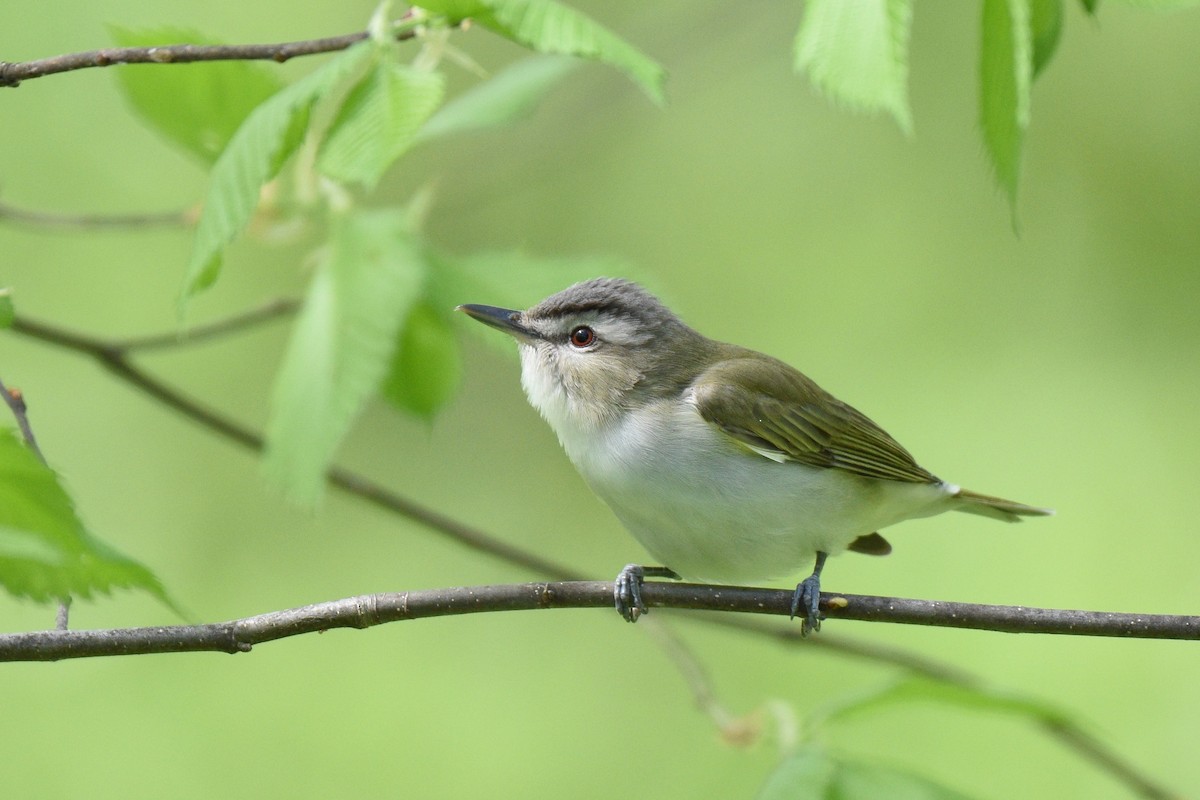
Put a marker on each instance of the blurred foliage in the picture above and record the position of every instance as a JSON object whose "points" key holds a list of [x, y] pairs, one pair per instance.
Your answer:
{"points": [[774, 222]]}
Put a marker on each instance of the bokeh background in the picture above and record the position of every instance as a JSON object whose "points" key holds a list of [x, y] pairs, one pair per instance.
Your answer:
{"points": [[1058, 366]]}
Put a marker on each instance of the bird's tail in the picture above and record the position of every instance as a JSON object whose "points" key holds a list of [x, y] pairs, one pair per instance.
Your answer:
{"points": [[996, 507]]}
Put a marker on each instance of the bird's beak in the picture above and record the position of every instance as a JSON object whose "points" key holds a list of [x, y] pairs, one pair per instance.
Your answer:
{"points": [[504, 319]]}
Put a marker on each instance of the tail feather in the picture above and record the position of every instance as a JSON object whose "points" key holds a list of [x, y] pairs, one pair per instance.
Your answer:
{"points": [[996, 507]]}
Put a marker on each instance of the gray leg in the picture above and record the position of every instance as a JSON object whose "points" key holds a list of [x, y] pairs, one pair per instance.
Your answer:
{"points": [[807, 598], [627, 589]]}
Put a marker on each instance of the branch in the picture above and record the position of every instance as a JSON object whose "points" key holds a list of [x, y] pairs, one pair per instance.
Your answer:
{"points": [[112, 356], [12, 73], [16, 404], [272, 309], [240, 635], [47, 219]]}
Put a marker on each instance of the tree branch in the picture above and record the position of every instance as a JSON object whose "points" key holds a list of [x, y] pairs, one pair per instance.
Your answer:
{"points": [[240, 635], [47, 219], [12, 73], [15, 401], [271, 310], [112, 356]]}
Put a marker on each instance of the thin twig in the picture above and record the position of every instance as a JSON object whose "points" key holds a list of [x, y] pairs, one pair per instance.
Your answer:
{"points": [[11, 74], [61, 221], [63, 618], [113, 358], [15, 401], [240, 635], [272, 309], [733, 729]]}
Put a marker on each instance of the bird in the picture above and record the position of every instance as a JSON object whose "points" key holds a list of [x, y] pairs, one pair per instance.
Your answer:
{"points": [[728, 465]]}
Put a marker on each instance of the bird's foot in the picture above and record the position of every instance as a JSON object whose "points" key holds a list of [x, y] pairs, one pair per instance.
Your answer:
{"points": [[807, 599], [806, 602], [627, 589]]}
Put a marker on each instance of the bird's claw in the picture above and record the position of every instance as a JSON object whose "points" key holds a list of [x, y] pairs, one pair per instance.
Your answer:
{"points": [[627, 592], [806, 601], [627, 589]]}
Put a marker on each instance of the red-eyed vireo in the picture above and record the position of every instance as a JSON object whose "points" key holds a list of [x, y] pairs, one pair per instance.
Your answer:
{"points": [[726, 464]]}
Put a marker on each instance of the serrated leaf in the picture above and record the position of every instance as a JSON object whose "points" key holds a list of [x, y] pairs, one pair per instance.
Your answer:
{"points": [[550, 27], [856, 52], [341, 345], [813, 774], [1045, 24], [197, 106], [1005, 72], [254, 156], [426, 368], [45, 552], [7, 312], [377, 122], [508, 96]]}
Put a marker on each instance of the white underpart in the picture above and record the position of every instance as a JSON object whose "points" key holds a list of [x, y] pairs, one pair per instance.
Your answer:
{"points": [[705, 506]]}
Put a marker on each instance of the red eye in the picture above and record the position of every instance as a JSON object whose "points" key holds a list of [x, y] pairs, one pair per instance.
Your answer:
{"points": [[583, 336]]}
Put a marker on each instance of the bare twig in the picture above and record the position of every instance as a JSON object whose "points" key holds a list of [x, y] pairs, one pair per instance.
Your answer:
{"points": [[15, 401], [61, 221], [63, 618], [113, 358], [238, 636], [733, 729], [272, 309], [11, 74]]}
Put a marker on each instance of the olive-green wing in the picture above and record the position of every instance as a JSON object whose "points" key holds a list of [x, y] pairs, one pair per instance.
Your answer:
{"points": [[776, 411]]}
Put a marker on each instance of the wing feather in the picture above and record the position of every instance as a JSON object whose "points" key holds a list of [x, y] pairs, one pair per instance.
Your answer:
{"points": [[777, 409]]}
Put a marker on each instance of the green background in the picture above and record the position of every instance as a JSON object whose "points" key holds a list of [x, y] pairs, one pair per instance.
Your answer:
{"points": [[1057, 367]]}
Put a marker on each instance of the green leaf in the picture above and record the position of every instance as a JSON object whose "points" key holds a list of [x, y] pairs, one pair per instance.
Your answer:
{"points": [[549, 27], [1006, 70], [812, 774], [377, 122], [1045, 22], [1090, 6], [508, 96], [254, 156], [7, 312], [341, 346], [856, 52], [805, 775], [197, 106], [426, 368], [45, 552]]}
